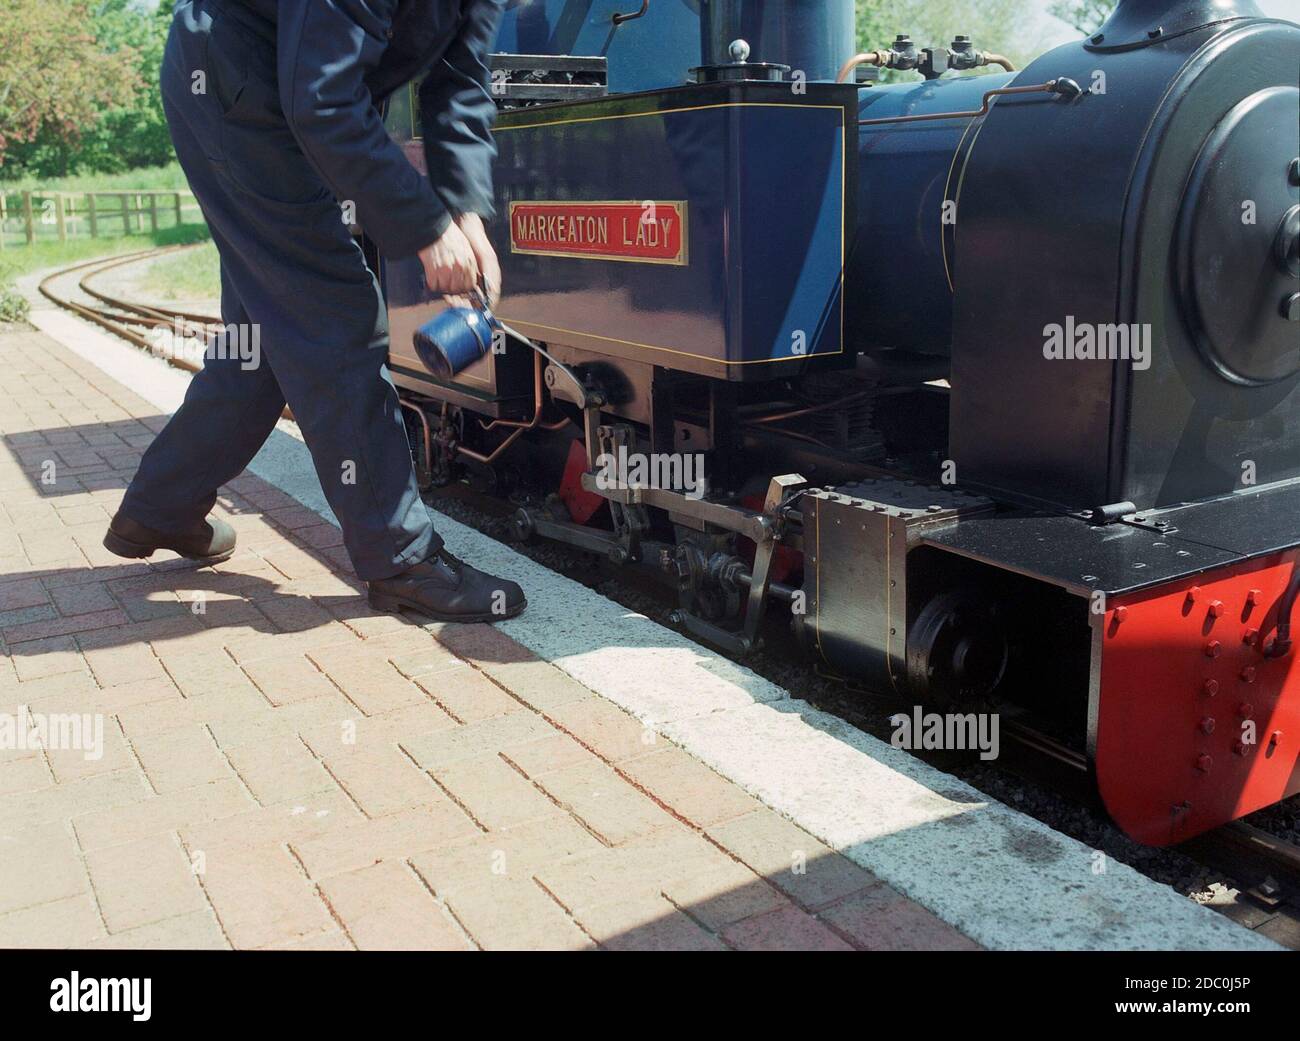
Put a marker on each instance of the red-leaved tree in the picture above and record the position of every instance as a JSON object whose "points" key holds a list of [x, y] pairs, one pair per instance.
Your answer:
{"points": [[54, 76]]}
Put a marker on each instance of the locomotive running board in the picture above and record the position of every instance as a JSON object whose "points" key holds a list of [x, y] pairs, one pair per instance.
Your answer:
{"points": [[1176, 612]]}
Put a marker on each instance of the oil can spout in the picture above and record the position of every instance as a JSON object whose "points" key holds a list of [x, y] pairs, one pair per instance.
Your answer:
{"points": [[1139, 23]]}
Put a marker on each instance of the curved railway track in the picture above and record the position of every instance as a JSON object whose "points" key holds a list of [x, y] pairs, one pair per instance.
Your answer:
{"points": [[131, 321], [122, 317], [1261, 865]]}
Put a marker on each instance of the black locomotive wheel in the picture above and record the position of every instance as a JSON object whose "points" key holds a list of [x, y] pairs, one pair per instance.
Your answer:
{"points": [[957, 650]]}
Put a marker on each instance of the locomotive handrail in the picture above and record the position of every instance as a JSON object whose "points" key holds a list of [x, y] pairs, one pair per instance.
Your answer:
{"points": [[619, 19], [1067, 88]]}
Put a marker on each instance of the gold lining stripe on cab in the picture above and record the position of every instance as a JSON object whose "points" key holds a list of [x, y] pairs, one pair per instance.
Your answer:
{"points": [[844, 151]]}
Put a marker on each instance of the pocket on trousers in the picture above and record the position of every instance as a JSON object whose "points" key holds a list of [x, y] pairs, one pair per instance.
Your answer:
{"points": [[261, 154], [191, 85], [265, 160]]}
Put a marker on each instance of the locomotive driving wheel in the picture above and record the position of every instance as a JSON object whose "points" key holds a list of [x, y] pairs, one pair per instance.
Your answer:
{"points": [[957, 650]]}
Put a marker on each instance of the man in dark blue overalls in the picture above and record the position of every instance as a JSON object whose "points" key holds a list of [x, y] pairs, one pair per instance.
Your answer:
{"points": [[273, 111]]}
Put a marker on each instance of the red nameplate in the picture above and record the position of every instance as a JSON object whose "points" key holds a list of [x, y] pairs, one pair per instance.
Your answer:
{"points": [[650, 232]]}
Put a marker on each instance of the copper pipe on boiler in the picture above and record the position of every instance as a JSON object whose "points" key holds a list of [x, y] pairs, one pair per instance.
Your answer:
{"points": [[537, 402], [792, 433], [881, 60], [878, 58], [428, 436]]}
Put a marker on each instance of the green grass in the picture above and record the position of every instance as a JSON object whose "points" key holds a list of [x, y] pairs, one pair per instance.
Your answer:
{"points": [[16, 261], [13, 305], [151, 178], [192, 275]]}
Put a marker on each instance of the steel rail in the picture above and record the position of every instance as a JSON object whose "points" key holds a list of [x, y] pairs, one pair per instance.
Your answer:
{"points": [[136, 314], [117, 326], [151, 311]]}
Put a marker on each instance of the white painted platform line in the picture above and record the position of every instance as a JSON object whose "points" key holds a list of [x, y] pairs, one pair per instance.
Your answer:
{"points": [[1004, 879]]}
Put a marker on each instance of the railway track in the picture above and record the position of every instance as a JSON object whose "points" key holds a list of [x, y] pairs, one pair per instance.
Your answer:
{"points": [[131, 321], [1266, 870], [134, 322], [1263, 868]]}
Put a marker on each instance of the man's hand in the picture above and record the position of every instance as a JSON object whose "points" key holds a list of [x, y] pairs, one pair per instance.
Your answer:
{"points": [[450, 264], [485, 256]]}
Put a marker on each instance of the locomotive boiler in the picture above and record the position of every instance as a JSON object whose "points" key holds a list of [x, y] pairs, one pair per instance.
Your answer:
{"points": [[987, 379]]}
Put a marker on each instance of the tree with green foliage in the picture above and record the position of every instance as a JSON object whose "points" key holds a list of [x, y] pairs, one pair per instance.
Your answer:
{"points": [[1084, 15], [873, 27], [134, 133], [78, 86]]}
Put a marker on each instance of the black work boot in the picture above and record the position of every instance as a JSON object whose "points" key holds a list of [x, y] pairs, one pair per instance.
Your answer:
{"points": [[448, 590], [209, 541]]}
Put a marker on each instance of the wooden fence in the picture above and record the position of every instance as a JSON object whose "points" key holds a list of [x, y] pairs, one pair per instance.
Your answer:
{"points": [[48, 216]]}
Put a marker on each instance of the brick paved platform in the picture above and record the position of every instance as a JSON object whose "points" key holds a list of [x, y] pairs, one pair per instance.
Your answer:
{"points": [[282, 767]]}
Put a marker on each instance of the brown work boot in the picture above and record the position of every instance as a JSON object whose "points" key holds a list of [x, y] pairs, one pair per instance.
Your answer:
{"points": [[208, 542], [448, 590]]}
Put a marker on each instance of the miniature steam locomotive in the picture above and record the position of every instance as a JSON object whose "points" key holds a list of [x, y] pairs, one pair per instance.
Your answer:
{"points": [[990, 381]]}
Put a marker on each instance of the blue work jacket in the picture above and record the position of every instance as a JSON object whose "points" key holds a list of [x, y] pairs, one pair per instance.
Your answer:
{"points": [[337, 60]]}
